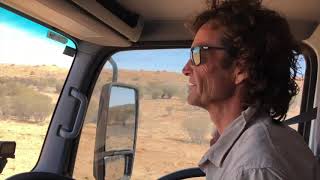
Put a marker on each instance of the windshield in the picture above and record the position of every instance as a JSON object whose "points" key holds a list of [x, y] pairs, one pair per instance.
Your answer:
{"points": [[34, 63]]}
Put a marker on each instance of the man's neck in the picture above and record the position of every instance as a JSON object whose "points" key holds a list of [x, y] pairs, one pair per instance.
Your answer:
{"points": [[224, 113]]}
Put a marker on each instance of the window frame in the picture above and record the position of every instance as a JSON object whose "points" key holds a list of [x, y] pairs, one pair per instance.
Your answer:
{"points": [[309, 88]]}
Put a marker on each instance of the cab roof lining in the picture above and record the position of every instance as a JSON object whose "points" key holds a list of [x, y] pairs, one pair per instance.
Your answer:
{"points": [[303, 16], [307, 10], [160, 20]]}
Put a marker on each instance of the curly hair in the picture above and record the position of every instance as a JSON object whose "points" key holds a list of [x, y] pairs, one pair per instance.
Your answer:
{"points": [[262, 40]]}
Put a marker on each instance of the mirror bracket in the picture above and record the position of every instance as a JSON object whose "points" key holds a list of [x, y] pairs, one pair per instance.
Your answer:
{"points": [[128, 156]]}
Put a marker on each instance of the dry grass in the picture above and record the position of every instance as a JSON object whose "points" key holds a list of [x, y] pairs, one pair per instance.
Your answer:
{"points": [[29, 138]]}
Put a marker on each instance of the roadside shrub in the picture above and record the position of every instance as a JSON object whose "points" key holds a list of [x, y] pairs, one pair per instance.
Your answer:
{"points": [[135, 79], [169, 91], [160, 90], [183, 93], [197, 130], [24, 103], [156, 93], [39, 83], [59, 87], [169, 109], [44, 83], [141, 91], [121, 115], [93, 108]]}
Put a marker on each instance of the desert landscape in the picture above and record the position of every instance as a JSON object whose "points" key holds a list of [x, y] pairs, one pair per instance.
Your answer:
{"points": [[172, 135]]}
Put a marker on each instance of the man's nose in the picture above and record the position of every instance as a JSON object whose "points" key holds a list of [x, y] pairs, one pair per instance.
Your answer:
{"points": [[187, 68]]}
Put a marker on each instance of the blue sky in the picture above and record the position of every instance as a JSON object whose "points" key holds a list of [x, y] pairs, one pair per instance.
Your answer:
{"points": [[17, 22], [121, 96], [169, 60], [24, 42], [153, 60]]}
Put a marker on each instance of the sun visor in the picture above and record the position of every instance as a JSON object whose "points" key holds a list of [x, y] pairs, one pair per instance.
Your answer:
{"points": [[114, 15], [73, 20]]}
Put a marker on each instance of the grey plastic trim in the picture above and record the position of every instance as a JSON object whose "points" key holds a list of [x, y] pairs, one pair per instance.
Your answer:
{"points": [[67, 134]]}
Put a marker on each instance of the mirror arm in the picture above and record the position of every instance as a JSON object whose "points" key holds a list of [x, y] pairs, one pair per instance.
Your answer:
{"points": [[114, 70]]}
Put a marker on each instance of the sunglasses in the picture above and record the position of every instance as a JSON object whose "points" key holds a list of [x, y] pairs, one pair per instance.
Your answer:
{"points": [[195, 53]]}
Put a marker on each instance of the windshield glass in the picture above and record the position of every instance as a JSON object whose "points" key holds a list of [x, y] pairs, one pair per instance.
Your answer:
{"points": [[34, 63], [172, 135]]}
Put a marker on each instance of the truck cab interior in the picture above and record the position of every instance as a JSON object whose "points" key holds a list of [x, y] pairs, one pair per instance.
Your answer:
{"points": [[101, 29]]}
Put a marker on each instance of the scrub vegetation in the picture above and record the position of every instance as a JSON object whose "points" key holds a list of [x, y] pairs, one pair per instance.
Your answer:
{"points": [[22, 100], [23, 103], [121, 115]]}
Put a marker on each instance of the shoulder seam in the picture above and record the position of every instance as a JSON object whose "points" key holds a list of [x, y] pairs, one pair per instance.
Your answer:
{"points": [[269, 138], [240, 171]]}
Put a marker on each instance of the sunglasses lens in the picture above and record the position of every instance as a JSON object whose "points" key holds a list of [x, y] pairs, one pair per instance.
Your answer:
{"points": [[196, 56]]}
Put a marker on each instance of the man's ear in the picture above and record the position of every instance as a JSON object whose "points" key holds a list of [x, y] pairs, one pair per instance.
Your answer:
{"points": [[240, 73]]}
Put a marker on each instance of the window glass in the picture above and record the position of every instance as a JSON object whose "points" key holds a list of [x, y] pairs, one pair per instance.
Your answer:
{"points": [[172, 135], [33, 68], [168, 126], [295, 104]]}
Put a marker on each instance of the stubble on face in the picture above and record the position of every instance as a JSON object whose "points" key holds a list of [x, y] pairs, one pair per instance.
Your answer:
{"points": [[213, 83]]}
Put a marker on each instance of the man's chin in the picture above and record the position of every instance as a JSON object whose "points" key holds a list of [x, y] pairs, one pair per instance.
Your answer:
{"points": [[194, 101]]}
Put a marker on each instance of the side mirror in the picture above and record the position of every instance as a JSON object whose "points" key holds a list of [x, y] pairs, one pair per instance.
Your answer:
{"points": [[116, 132], [7, 150]]}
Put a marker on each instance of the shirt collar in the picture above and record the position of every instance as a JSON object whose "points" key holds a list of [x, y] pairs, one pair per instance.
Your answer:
{"points": [[217, 152]]}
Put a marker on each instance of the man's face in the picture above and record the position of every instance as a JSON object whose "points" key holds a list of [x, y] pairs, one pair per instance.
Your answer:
{"points": [[209, 82]]}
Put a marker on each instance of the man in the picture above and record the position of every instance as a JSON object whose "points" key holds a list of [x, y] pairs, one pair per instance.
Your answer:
{"points": [[242, 70]]}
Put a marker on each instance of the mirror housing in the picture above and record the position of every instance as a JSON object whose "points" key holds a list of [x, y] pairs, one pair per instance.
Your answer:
{"points": [[116, 131]]}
